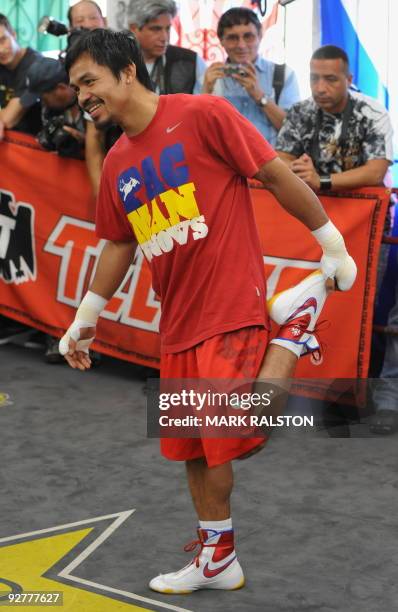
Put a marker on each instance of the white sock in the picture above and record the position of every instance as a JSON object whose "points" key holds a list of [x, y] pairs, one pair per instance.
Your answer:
{"points": [[216, 525], [214, 531]]}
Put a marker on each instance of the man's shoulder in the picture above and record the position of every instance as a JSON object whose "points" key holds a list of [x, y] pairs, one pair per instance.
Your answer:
{"points": [[180, 53], [264, 63], [31, 55], [366, 105], [303, 109], [199, 102]]}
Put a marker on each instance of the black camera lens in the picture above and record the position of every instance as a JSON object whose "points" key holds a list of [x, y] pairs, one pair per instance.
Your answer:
{"points": [[52, 26]]}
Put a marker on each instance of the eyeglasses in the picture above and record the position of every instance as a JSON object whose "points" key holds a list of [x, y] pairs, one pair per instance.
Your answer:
{"points": [[233, 39]]}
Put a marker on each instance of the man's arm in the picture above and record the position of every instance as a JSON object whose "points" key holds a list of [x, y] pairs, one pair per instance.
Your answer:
{"points": [[289, 142], [289, 95], [95, 155], [113, 264], [286, 157], [371, 173], [12, 114], [275, 114], [300, 201], [292, 193], [214, 71]]}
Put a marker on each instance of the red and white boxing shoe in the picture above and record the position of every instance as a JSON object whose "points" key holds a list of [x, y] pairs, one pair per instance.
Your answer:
{"points": [[214, 567], [297, 310]]}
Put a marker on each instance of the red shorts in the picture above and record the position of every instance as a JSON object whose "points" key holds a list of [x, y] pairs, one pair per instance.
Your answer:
{"points": [[236, 354]]}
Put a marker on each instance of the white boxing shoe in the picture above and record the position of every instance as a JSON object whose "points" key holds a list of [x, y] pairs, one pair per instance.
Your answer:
{"points": [[214, 567], [297, 310]]}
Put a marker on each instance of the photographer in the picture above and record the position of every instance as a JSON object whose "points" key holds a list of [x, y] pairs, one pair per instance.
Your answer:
{"points": [[258, 88], [63, 123], [84, 16], [63, 128]]}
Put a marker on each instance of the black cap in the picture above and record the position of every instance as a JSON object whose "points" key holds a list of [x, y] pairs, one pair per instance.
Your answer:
{"points": [[44, 75]]}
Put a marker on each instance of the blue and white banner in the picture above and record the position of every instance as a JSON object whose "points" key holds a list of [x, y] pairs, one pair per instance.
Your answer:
{"points": [[367, 31]]}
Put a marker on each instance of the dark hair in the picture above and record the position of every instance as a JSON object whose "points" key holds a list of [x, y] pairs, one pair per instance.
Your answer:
{"points": [[4, 22], [70, 10], [331, 52], [115, 50], [237, 16]]}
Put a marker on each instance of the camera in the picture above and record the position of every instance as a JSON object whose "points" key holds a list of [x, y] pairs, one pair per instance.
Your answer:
{"points": [[54, 138], [48, 25], [230, 69]]}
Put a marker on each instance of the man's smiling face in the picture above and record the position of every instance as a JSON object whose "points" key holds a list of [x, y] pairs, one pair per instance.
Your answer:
{"points": [[99, 92]]}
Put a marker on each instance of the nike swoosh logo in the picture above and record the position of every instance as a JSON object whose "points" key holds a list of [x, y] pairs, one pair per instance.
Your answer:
{"points": [[310, 303], [208, 573], [173, 127]]}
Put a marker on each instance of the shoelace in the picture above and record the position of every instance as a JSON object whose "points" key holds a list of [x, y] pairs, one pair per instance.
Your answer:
{"points": [[317, 354], [300, 322], [192, 545]]}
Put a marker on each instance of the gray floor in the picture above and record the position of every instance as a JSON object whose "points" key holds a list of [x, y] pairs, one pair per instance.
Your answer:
{"points": [[315, 516]]}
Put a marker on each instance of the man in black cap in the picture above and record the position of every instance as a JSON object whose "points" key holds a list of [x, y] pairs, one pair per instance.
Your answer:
{"points": [[63, 129], [18, 109], [63, 122]]}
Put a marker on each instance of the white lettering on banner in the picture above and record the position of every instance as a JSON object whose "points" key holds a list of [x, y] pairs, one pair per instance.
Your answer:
{"points": [[280, 263], [65, 241], [75, 242]]}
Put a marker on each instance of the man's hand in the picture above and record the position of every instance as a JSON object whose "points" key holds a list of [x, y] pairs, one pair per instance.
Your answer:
{"points": [[76, 342], [214, 72], [342, 269], [304, 169], [76, 134], [250, 82], [336, 262]]}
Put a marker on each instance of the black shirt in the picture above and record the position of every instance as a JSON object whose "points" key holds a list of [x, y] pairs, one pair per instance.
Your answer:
{"points": [[13, 85]]}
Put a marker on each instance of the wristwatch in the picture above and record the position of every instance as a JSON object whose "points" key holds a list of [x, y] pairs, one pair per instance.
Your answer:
{"points": [[325, 182], [263, 101]]}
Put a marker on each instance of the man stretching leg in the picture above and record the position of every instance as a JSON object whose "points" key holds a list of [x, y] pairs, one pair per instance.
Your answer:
{"points": [[176, 184]]}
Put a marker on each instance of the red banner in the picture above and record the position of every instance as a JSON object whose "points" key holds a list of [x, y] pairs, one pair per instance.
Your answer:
{"points": [[48, 253]]}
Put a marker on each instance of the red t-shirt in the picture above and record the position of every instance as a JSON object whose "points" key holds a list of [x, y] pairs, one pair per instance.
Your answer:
{"points": [[180, 187]]}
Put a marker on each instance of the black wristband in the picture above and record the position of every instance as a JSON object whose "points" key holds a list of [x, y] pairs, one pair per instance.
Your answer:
{"points": [[325, 182]]}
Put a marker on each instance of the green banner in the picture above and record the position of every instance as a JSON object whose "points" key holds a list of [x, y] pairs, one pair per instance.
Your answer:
{"points": [[25, 15]]}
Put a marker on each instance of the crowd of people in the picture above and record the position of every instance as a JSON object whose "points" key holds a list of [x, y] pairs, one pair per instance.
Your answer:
{"points": [[336, 139]]}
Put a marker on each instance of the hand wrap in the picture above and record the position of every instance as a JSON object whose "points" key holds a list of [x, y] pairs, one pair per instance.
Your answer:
{"points": [[86, 316], [335, 262]]}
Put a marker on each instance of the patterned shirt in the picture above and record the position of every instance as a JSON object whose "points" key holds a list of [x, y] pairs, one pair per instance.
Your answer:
{"points": [[368, 134]]}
